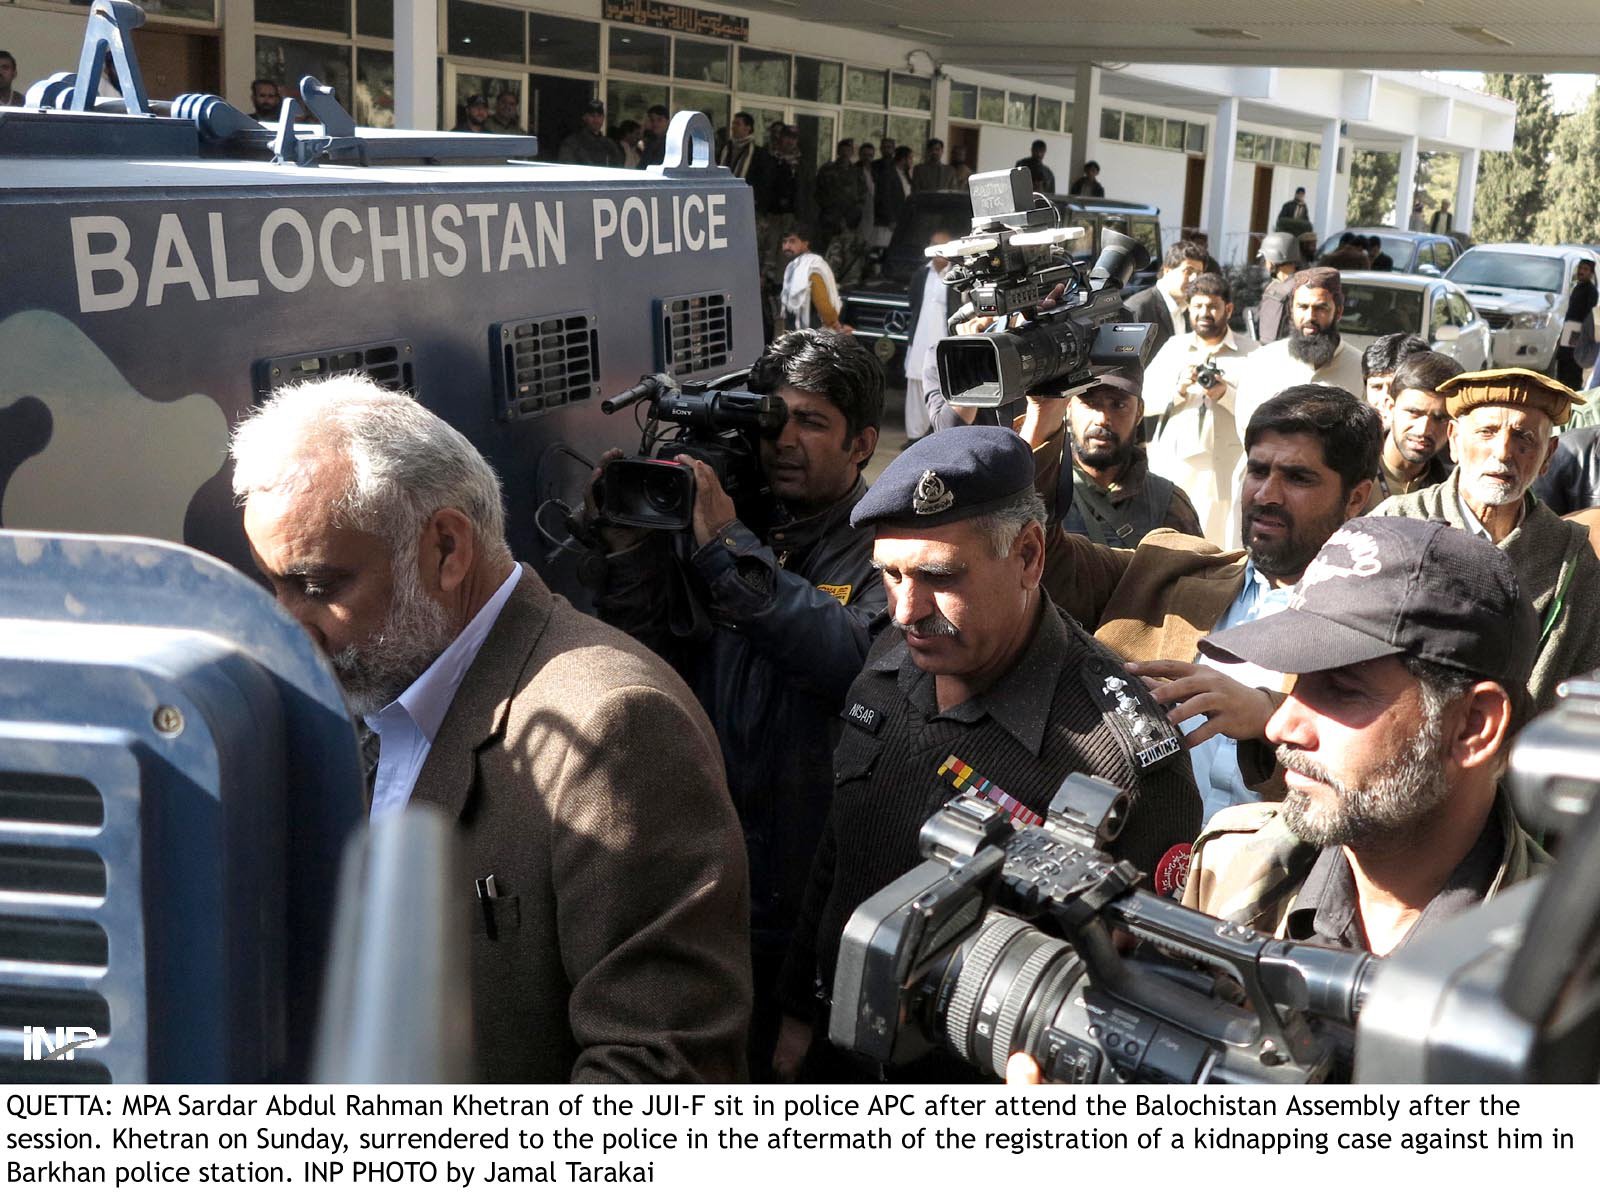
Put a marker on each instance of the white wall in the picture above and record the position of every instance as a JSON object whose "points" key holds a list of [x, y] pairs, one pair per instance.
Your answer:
{"points": [[1145, 174], [1000, 147], [43, 42]]}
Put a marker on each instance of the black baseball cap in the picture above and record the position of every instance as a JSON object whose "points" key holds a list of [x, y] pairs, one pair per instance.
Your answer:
{"points": [[596, 107], [1382, 586], [474, 100]]}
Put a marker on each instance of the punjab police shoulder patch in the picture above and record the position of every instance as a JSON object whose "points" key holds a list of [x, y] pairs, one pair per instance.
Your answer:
{"points": [[839, 590], [1130, 712]]}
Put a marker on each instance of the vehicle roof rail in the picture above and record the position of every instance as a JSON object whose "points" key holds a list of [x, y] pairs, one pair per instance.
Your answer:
{"points": [[110, 35], [691, 146]]}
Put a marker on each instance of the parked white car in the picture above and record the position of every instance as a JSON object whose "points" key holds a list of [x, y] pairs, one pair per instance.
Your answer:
{"points": [[1378, 302], [1522, 291]]}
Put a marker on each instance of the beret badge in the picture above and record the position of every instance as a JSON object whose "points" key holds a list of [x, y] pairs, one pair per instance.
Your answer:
{"points": [[932, 495]]}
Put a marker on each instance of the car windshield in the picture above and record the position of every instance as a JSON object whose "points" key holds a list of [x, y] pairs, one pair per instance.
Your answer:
{"points": [[1375, 311], [1402, 250], [1496, 268]]}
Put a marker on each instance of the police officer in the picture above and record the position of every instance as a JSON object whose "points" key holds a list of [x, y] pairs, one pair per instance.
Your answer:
{"points": [[981, 684], [1394, 741]]}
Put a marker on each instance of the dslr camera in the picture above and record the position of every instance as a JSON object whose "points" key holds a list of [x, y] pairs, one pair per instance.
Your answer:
{"points": [[1016, 256], [719, 425], [1001, 942], [1208, 374]]}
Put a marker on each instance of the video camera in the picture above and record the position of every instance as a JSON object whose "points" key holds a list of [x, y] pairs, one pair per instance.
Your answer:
{"points": [[1000, 942], [717, 425], [1015, 257]]}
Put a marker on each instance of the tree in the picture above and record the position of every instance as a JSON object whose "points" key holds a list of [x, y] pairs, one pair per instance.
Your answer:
{"points": [[1511, 185], [1437, 174], [1572, 207], [1372, 187]]}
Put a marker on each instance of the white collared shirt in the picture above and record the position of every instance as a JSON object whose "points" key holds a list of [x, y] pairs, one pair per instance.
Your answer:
{"points": [[407, 727]]}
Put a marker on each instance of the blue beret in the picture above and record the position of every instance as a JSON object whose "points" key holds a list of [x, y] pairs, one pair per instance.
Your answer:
{"points": [[953, 474]]}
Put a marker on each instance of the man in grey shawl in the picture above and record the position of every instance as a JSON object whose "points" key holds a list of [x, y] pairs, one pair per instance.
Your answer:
{"points": [[1501, 439]]}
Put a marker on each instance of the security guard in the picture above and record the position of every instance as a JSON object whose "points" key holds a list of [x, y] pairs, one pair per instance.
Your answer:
{"points": [[981, 685], [1394, 740]]}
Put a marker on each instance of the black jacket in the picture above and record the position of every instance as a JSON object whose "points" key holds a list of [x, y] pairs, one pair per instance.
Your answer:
{"points": [[788, 641], [889, 200], [1573, 481], [1148, 307]]}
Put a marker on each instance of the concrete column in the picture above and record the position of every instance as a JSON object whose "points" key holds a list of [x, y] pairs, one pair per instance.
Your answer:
{"points": [[238, 52], [1466, 190], [416, 71], [1085, 114], [1406, 186], [1220, 164], [1325, 213]]}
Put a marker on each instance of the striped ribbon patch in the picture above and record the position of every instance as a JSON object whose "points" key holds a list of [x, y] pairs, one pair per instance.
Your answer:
{"points": [[966, 780]]}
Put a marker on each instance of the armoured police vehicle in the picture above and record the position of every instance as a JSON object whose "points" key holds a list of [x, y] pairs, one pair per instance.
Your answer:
{"points": [[178, 774], [167, 264]]}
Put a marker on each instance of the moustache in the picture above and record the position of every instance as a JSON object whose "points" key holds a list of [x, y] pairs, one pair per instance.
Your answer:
{"points": [[928, 627], [1302, 764], [1270, 510]]}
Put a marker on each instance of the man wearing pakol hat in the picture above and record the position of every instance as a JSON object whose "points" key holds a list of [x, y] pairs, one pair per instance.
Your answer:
{"points": [[981, 686], [1394, 742], [1111, 495], [1501, 440], [589, 145]]}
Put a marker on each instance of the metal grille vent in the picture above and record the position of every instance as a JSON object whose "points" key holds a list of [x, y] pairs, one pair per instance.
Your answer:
{"points": [[696, 332], [387, 363], [547, 362]]}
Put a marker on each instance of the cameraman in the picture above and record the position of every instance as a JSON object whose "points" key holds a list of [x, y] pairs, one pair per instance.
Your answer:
{"points": [[790, 610]]}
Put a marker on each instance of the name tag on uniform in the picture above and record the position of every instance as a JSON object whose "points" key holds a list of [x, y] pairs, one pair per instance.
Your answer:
{"points": [[839, 590], [863, 716]]}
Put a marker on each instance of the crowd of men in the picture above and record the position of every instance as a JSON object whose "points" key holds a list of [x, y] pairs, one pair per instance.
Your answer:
{"points": [[1295, 599]]}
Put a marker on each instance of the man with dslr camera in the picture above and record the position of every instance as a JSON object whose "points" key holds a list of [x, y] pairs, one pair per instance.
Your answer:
{"points": [[789, 597]]}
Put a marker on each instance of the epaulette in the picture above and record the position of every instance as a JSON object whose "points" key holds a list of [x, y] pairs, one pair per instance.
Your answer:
{"points": [[1131, 712]]}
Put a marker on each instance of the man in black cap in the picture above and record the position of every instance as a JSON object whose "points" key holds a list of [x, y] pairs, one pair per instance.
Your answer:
{"points": [[982, 680], [1111, 496], [589, 146], [475, 115], [1394, 741]]}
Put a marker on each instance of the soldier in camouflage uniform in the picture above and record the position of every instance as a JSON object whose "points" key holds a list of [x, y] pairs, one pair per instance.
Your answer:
{"points": [[1412, 644]]}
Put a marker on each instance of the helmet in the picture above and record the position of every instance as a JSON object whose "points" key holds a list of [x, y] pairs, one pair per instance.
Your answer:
{"points": [[1280, 247]]}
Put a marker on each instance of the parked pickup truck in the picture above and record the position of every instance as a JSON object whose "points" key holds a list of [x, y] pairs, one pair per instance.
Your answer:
{"points": [[880, 309], [1522, 291]]}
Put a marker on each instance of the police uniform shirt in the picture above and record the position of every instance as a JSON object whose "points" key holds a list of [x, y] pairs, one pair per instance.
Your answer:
{"points": [[1067, 705], [1326, 910]]}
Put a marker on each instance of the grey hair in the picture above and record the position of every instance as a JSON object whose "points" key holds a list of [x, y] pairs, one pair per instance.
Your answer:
{"points": [[1003, 526], [405, 463]]}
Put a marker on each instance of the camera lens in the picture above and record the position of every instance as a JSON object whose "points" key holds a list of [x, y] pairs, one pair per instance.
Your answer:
{"points": [[1012, 982], [664, 492]]}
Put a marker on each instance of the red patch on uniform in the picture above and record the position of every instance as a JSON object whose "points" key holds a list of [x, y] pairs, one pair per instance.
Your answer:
{"points": [[1172, 871]]}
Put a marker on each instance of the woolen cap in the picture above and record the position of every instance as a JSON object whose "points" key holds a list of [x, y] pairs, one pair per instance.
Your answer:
{"points": [[1510, 387], [953, 474], [1390, 585]]}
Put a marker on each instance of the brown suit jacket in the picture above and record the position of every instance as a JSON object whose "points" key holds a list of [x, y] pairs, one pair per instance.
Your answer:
{"points": [[587, 780], [1155, 601]]}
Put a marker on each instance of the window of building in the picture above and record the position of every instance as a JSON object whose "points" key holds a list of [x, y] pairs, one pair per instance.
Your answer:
{"points": [[991, 106], [703, 62], [563, 43], [639, 52], [964, 101], [486, 31], [632, 98], [698, 99], [288, 61], [817, 79], [1019, 110], [1195, 138], [861, 125], [1111, 124], [908, 91], [764, 72], [176, 10], [305, 14], [1047, 115], [375, 18], [865, 86], [910, 131], [374, 98]]}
